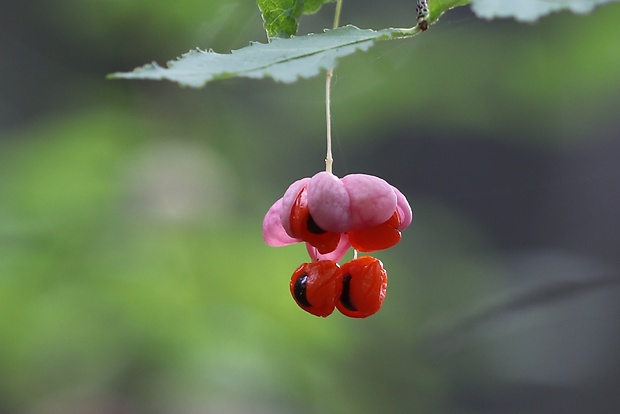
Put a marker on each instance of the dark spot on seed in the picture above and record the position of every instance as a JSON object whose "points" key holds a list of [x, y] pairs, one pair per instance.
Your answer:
{"points": [[299, 290], [345, 297], [313, 227]]}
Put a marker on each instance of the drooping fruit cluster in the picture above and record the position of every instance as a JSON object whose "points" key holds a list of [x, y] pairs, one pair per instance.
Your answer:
{"points": [[356, 288], [332, 215]]}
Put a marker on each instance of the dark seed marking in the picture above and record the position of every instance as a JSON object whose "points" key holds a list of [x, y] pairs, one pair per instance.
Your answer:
{"points": [[313, 227], [345, 297], [299, 291]]}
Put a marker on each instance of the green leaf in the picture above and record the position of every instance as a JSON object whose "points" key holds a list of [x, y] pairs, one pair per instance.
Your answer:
{"points": [[283, 60], [531, 10], [281, 17]]}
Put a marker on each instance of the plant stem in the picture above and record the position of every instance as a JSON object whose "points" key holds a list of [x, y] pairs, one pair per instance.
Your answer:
{"points": [[337, 14], [329, 160]]}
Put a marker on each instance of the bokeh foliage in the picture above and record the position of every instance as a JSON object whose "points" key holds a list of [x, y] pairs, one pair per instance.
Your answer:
{"points": [[133, 277]]}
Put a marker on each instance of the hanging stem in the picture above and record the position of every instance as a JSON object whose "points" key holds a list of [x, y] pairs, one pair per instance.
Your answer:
{"points": [[329, 160]]}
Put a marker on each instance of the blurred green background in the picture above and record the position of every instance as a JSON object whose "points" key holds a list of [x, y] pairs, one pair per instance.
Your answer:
{"points": [[133, 276]]}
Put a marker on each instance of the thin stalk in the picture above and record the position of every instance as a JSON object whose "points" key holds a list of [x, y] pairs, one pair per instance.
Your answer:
{"points": [[337, 14], [329, 159]]}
